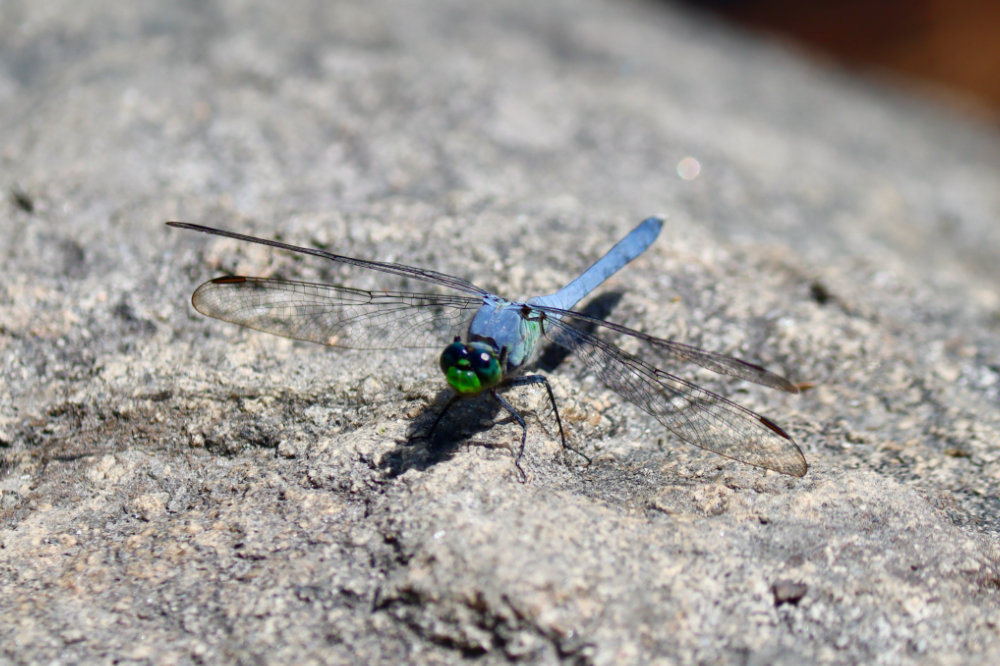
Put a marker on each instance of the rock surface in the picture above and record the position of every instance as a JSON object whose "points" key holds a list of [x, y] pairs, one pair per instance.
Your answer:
{"points": [[175, 489]]}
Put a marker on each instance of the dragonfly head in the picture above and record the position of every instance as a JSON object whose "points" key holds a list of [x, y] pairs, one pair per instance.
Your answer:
{"points": [[471, 368]]}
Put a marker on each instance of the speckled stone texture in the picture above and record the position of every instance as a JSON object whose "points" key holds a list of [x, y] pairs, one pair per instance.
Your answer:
{"points": [[174, 489]]}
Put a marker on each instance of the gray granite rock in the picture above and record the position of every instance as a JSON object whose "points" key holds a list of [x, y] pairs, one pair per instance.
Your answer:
{"points": [[177, 490]]}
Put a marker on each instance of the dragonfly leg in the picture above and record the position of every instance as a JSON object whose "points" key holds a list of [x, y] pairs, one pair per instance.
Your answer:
{"points": [[455, 398], [525, 380], [521, 476]]}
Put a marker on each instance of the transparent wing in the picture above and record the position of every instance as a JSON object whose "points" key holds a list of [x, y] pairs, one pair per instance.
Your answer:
{"points": [[676, 351], [693, 414], [398, 270], [334, 315]]}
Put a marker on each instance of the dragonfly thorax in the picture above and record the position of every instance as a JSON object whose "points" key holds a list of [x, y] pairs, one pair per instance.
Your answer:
{"points": [[471, 368]]}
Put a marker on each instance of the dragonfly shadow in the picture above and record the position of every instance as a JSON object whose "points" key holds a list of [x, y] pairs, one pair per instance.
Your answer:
{"points": [[599, 307], [424, 448]]}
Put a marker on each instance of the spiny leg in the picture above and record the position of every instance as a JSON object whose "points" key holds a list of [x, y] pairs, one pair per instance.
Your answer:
{"points": [[525, 380], [451, 401], [521, 475], [517, 381]]}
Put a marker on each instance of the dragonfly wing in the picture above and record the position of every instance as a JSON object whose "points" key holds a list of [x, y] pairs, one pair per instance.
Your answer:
{"points": [[668, 350], [334, 315], [693, 414], [399, 270]]}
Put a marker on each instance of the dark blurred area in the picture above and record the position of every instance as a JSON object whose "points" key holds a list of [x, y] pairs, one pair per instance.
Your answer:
{"points": [[951, 48]]}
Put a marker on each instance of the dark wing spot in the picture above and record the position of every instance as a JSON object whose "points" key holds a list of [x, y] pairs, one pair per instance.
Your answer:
{"points": [[773, 426]]}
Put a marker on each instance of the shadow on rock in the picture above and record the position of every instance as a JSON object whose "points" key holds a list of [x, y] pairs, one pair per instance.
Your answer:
{"points": [[427, 444]]}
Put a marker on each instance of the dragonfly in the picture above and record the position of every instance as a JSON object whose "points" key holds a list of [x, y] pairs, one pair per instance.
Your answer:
{"points": [[495, 340]]}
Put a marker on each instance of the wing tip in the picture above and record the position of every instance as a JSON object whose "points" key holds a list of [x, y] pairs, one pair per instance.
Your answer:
{"points": [[768, 378], [205, 288], [177, 224], [787, 386], [798, 467]]}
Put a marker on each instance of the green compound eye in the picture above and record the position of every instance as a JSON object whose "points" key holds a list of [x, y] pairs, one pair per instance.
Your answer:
{"points": [[470, 369]]}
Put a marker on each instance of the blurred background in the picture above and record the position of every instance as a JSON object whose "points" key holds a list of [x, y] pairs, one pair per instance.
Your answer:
{"points": [[950, 49]]}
